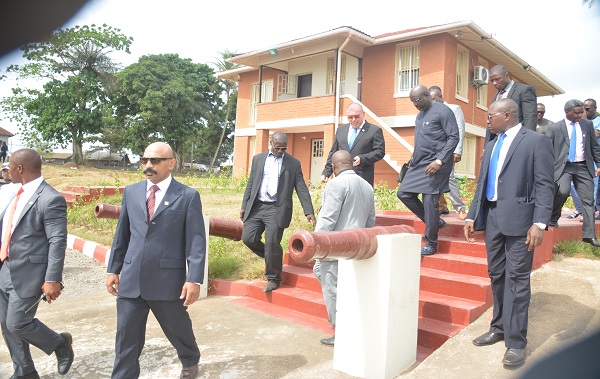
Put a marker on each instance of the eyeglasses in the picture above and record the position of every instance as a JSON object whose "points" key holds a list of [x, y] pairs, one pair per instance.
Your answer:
{"points": [[154, 161], [355, 117], [542, 112], [490, 116], [280, 148]]}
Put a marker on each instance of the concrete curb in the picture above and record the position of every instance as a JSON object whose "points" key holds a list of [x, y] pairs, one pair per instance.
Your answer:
{"points": [[91, 249]]}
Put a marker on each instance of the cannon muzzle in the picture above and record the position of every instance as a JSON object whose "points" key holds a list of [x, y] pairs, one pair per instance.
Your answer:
{"points": [[350, 244]]}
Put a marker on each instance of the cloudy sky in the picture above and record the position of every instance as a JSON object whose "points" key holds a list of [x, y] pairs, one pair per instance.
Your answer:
{"points": [[559, 39]]}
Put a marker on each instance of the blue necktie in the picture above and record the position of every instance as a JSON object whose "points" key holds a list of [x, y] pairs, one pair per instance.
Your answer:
{"points": [[490, 189], [573, 145], [352, 137]]}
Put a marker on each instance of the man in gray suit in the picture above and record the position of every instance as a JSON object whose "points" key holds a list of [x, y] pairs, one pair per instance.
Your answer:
{"points": [[512, 204], [576, 149], [34, 239], [522, 94], [364, 141], [160, 231], [436, 137], [267, 205], [348, 203]]}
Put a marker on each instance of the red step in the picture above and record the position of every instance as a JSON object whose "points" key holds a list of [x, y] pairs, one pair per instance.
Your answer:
{"points": [[300, 277], [298, 299], [457, 285], [433, 333], [450, 309], [458, 245], [461, 264]]}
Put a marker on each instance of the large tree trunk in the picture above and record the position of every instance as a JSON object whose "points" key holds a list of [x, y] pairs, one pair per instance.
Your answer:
{"points": [[78, 153]]}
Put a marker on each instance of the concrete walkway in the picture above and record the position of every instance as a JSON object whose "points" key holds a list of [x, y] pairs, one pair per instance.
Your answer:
{"points": [[240, 343]]}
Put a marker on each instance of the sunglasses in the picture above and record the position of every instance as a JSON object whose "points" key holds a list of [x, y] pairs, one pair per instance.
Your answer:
{"points": [[280, 148], [154, 161]]}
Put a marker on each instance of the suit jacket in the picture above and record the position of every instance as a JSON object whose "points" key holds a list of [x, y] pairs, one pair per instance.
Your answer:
{"points": [[525, 97], [460, 121], [559, 136], [151, 257], [290, 178], [369, 145], [525, 186], [38, 242]]}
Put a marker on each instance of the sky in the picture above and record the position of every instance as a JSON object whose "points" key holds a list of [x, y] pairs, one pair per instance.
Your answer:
{"points": [[560, 38]]}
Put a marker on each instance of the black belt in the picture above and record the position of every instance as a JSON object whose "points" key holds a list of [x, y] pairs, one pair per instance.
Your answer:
{"points": [[266, 202], [492, 204], [579, 162]]}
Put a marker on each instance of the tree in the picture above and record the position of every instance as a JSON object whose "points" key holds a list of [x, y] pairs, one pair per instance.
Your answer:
{"points": [[230, 88], [589, 3], [167, 98], [78, 74]]}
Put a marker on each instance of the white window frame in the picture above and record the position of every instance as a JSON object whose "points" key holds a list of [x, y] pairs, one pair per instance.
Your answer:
{"points": [[462, 73], [331, 76], [482, 91], [287, 84], [466, 166], [407, 68]]}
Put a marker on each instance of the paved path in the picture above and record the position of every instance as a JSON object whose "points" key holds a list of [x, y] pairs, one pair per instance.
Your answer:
{"points": [[240, 343]]}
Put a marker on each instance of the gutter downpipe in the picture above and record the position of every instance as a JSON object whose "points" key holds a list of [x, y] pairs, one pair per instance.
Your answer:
{"points": [[337, 81]]}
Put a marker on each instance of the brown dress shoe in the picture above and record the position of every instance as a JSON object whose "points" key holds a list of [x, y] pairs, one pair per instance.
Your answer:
{"points": [[189, 372]]}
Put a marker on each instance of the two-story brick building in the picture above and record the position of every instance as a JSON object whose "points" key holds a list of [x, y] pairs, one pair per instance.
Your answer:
{"points": [[302, 87]]}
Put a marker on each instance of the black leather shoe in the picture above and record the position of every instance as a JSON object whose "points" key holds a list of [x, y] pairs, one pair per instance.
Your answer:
{"points": [[514, 357], [553, 224], [31, 375], [444, 211], [488, 338], [64, 354], [592, 241], [428, 250], [574, 215], [270, 286], [328, 341], [442, 223], [189, 372]]}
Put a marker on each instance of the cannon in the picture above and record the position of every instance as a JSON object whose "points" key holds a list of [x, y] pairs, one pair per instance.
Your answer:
{"points": [[350, 244], [219, 227]]}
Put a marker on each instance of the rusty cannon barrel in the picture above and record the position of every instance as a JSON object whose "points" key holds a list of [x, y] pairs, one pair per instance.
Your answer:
{"points": [[219, 227], [350, 244]]}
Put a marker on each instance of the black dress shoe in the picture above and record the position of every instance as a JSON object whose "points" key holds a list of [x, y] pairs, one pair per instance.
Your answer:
{"points": [[442, 223], [31, 375], [270, 286], [592, 241], [444, 211], [514, 357], [428, 250], [488, 338], [64, 354], [189, 372], [574, 215], [553, 224], [328, 341]]}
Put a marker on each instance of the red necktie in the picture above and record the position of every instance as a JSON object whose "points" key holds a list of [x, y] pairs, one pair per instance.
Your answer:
{"points": [[151, 201], [501, 94], [8, 231]]}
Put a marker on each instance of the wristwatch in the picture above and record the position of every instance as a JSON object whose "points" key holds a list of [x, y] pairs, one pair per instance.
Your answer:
{"points": [[439, 162], [540, 225]]}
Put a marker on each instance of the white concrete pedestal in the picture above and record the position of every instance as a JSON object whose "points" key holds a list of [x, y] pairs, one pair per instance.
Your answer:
{"points": [[204, 286], [377, 309]]}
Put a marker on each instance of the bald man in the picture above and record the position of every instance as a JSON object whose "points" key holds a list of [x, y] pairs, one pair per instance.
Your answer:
{"points": [[160, 232], [348, 203], [34, 239]]}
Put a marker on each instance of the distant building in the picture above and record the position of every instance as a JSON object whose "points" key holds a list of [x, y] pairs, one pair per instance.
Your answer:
{"points": [[107, 159], [57, 158]]}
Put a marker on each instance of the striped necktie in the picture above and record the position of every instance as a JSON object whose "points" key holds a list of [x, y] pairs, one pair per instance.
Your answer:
{"points": [[151, 201]]}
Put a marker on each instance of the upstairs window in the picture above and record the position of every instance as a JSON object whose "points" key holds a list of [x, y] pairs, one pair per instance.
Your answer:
{"points": [[407, 68], [462, 74]]}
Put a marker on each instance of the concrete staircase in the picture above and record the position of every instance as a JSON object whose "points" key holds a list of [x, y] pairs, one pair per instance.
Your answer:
{"points": [[454, 286], [83, 194]]}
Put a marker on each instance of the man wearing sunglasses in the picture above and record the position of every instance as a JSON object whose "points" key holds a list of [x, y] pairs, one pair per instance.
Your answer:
{"points": [[363, 140], [267, 204], [160, 232]]}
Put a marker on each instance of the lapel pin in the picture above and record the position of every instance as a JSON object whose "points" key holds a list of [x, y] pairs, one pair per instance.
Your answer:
{"points": [[166, 203]]}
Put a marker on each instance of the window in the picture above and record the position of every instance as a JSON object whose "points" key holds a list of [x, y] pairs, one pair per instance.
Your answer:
{"points": [[466, 166], [305, 85], [482, 91], [331, 75], [462, 73], [407, 68], [266, 96], [286, 84]]}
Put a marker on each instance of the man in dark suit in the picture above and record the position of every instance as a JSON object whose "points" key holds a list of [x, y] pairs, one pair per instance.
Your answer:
{"points": [[512, 204], [160, 232], [522, 94], [267, 204], [576, 150], [436, 137], [364, 141], [34, 239]]}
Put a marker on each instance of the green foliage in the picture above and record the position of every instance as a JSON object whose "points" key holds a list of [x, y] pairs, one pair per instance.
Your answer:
{"points": [[576, 249], [386, 198], [83, 222]]}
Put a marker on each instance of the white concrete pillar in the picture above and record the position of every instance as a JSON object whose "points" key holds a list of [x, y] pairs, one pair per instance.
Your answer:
{"points": [[204, 286], [377, 309]]}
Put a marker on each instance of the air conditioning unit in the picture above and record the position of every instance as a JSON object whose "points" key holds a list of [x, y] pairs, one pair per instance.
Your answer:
{"points": [[480, 76]]}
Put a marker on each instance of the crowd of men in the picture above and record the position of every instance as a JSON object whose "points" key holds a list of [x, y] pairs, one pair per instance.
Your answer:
{"points": [[529, 165]]}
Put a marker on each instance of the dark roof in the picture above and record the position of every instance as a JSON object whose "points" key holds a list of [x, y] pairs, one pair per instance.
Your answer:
{"points": [[4, 132]]}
